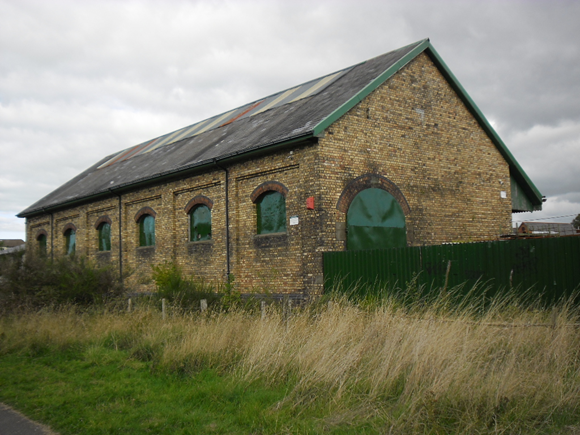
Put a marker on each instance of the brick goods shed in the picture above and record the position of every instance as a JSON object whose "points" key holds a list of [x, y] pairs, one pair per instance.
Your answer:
{"points": [[391, 152]]}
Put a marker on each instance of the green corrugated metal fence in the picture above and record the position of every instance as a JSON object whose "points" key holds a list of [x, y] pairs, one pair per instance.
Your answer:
{"points": [[551, 266]]}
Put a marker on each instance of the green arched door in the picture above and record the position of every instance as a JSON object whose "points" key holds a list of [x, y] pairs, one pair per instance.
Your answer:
{"points": [[375, 220]]}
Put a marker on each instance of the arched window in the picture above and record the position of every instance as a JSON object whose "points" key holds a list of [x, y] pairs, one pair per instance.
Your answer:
{"points": [[375, 220], [41, 241], [104, 230], [271, 213], [200, 223], [146, 230], [70, 236]]}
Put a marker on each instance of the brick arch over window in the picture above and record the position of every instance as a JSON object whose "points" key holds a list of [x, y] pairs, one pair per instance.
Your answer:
{"points": [[40, 233], [103, 220], [199, 199], [368, 181], [143, 212], [69, 226], [269, 186]]}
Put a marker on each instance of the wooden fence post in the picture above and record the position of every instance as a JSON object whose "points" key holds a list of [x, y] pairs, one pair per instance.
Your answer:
{"points": [[286, 310], [447, 276], [263, 309], [163, 308], [129, 305]]}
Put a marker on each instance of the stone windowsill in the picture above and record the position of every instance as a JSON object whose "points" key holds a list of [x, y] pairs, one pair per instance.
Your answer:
{"points": [[200, 242], [282, 234], [144, 248], [271, 240]]}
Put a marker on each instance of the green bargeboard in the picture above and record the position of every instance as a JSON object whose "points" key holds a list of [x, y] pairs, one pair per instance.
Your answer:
{"points": [[375, 220]]}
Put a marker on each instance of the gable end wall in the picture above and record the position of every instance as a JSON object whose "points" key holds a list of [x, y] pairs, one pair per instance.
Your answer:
{"points": [[416, 132]]}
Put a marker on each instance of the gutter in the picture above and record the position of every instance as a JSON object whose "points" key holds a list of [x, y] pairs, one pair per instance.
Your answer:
{"points": [[51, 236], [227, 200], [120, 236]]}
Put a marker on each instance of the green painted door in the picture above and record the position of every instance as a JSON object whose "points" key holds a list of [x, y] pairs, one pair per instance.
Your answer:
{"points": [[375, 220]]}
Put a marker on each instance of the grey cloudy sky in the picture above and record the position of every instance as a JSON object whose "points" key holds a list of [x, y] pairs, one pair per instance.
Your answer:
{"points": [[81, 80]]}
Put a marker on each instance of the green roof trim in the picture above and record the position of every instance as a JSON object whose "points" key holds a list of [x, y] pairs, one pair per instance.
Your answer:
{"points": [[516, 170]]}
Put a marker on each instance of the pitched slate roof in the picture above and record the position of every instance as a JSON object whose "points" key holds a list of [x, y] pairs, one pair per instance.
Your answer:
{"points": [[298, 113]]}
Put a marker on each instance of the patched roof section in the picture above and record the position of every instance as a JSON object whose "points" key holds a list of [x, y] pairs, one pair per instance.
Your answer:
{"points": [[279, 99], [284, 116]]}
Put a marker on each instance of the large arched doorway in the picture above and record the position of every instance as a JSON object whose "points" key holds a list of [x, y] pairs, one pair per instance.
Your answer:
{"points": [[375, 220]]}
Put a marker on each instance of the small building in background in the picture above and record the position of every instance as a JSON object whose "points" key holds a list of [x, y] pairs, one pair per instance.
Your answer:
{"points": [[11, 245], [547, 229]]}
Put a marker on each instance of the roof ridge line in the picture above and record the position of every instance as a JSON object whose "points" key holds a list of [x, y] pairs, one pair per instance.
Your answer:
{"points": [[421, 46]]}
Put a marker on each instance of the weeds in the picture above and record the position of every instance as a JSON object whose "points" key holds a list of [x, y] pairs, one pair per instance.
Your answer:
{"points": [[181, 291]]}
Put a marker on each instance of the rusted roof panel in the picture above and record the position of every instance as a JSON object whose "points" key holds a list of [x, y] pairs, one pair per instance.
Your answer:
{"points": [[250, 109]]}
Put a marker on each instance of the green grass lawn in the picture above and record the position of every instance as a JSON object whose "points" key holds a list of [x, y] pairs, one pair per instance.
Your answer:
{"points": [[102, 391]]}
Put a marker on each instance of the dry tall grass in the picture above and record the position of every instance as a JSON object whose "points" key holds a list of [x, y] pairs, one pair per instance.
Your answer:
{"points": [[423, 370]]}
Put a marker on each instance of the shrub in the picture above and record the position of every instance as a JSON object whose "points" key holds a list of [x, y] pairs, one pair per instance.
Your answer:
{"points": [[34, 281], [181, 291]]}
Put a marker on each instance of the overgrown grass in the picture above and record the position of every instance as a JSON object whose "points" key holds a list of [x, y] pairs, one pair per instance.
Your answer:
{"points": [[386, 366], [33, 281]]}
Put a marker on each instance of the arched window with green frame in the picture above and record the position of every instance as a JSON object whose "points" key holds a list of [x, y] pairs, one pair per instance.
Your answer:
{"points": [[199, 211], [41, 243], [271, 213], [200, 223], [375, 219], [147, 230], [104, 232], [103, 227], [70, 244]]}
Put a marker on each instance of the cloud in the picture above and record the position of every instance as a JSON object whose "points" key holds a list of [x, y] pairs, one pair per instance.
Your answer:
{"points": [[81, 80], [551, 156], [9, 228]]}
